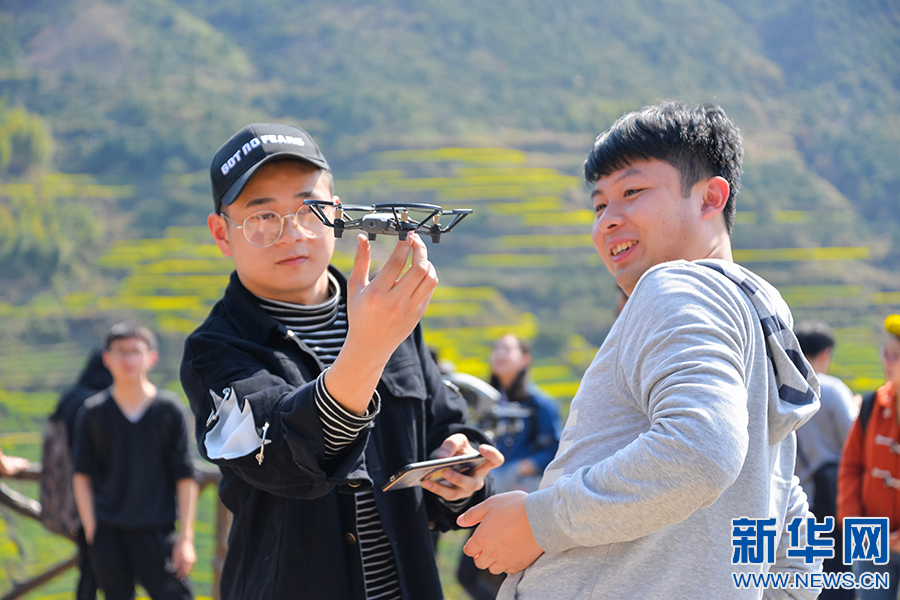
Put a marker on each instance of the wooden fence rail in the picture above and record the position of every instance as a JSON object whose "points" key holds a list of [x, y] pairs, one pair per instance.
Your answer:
{"points": [[31, 508]]}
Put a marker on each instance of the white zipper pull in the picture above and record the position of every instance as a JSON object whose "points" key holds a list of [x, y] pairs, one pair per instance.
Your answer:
{"points": [[217, 403], [262, 447]]}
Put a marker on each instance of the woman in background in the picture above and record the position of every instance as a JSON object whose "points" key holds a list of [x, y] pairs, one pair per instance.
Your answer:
{"points": [[528, 443], [525, 426], [869, 472]]}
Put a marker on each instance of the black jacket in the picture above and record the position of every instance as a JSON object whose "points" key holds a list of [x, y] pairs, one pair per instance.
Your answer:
{"points": [[293, 535]]}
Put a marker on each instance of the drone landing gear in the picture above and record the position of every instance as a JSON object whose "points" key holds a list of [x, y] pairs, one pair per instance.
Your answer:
{"points": [[338, 228], [371, 236], [402, 235]]}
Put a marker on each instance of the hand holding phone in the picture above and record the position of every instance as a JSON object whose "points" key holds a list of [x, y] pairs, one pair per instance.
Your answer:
{"points": [[414, 474]]}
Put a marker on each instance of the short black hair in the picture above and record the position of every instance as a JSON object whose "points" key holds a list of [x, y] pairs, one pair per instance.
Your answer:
{"points": [[126, 331], [815, 337], [699, 141]]}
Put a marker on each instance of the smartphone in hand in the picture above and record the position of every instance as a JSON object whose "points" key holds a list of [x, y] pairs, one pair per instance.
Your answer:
{"points": [[414, 474]]}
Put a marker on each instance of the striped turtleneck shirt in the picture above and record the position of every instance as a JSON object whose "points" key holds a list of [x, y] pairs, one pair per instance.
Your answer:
{"points": [[323, 327]]}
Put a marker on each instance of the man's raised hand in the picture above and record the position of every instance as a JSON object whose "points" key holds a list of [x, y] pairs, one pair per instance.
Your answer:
{"points": [[386, 310], [381, 314]]}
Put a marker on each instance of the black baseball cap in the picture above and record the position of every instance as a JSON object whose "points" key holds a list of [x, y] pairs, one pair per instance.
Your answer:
{"points": [[252, 147]]}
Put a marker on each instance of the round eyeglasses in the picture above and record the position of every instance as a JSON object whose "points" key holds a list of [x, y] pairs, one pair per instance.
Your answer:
{"points": [[263, 228], [127, 354]]}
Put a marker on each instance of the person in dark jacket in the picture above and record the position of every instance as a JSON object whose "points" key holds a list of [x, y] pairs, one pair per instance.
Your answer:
{"points": [[94, 378], [310, 391]]}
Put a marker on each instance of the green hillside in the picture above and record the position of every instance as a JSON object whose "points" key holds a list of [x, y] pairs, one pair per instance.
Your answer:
{"points": [[111, 110], [141, 88]]}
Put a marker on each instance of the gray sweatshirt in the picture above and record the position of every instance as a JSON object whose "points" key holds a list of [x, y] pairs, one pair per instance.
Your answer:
{"points": [[677, 428]]}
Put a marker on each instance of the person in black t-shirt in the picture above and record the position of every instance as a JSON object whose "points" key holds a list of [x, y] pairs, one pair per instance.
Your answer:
{"points": [[132, 462]]}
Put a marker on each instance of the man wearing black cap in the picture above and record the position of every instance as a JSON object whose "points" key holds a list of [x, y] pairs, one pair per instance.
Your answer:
{"points": [[310, 391]]}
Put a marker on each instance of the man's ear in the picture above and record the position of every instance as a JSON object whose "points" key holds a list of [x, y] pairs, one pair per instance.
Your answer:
{"points": [[218, 227], [827, 359], [715, 195]]}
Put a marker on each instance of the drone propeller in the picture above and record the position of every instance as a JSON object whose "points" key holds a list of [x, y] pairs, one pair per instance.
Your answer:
{"points": [[407, 206]]}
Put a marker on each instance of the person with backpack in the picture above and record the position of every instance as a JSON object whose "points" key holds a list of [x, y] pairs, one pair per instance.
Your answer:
{"points": [[685, 419], [821, 440], [58, 510], [869, 472]]}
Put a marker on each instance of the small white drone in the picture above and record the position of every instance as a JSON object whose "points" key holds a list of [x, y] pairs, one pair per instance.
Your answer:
{"points": [[388, 219]]}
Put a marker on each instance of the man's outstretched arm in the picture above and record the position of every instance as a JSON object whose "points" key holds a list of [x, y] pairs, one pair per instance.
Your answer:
{"points": [[686, 374]]}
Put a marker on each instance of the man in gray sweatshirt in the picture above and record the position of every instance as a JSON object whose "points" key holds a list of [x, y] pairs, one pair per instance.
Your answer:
{"points": [[685, 419]]}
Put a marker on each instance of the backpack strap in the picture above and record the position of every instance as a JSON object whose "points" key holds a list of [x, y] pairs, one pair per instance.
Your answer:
{"points": [[865, 410]]}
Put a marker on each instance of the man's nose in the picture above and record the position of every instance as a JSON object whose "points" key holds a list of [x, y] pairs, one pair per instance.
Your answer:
{"points": [[290, 227], [611, 218]]}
